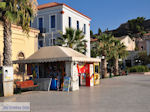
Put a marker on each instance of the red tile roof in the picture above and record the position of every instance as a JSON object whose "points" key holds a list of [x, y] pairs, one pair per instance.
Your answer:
{"points": [[93, 40], [54, 4], [147, 34]]}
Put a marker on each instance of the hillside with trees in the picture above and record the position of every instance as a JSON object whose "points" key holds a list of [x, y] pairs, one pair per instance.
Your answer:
{"points": [[134, 28]]}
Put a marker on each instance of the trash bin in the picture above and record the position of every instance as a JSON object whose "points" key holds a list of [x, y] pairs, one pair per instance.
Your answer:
{"points": [[54, 84]]}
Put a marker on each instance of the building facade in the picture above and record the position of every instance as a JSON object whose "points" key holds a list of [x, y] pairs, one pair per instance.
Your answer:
{"points": [[148, 47], [143, 43], [23, 45], [53, 18], [128, 42]]}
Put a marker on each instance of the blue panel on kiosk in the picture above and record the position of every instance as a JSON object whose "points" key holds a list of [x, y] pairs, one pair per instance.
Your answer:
{"points": [[54, 84]]}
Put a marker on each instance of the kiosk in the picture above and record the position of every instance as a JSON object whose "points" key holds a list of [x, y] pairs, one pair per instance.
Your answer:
{"points": [[89, 75], [96, 74]]}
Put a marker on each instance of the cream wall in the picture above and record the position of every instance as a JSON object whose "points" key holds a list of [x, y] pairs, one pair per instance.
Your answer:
{"points": [[129, 43], [21, 42]]}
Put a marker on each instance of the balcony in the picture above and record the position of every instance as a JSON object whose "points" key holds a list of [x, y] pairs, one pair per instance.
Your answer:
{"points": [[42, 30]]}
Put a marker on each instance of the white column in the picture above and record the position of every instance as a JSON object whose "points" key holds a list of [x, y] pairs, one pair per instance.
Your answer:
{"points": [[71, 71], [8, 81]]}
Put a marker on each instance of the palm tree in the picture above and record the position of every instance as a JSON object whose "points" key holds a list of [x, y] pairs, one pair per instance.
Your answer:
{"points": [[104, 45], [73, 39], [18, 12], [99, 31], [119, 51]]}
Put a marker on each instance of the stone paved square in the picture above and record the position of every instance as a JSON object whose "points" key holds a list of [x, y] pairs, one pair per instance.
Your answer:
{"points": [[120, 94]]}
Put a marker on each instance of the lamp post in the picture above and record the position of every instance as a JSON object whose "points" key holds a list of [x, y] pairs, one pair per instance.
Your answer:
{"points": [[104, 69], [120, 60]]}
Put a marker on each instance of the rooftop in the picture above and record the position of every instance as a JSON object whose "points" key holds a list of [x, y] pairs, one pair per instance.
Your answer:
{"points": [[55, 54], [55, 4]]}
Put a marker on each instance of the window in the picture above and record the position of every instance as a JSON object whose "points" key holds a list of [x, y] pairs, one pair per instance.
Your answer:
{"points": [[41, 24], [69, 22], [40, 43], [84, 29], [96, 69], [142, 48], [53, 21], [77, 25]]}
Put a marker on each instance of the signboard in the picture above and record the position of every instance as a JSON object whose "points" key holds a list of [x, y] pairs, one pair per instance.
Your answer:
{"points": [[8, 74], [91, 75], [49, 85], [66, 86]]}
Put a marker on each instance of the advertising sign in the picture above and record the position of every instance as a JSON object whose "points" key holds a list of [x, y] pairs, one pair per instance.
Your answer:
{"points": [[8, 74], [66, 86], [91, 75]]}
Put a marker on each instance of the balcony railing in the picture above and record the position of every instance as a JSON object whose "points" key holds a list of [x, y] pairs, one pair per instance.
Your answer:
{"points": [[42, 30]]}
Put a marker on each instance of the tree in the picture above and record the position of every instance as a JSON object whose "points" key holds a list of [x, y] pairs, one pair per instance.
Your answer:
{"points": [[104, 45], [118, 51], [94, 50], [143, 58], [73, 39], [99, 31], [91, 33], [136, 26], [18, 12]]}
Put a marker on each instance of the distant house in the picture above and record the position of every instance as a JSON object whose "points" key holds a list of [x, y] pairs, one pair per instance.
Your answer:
{"points": [[53, 18], [141, 43], [128, 42]]}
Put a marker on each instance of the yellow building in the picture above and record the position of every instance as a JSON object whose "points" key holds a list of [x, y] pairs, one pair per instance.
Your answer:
{"points": [[23, 45]]}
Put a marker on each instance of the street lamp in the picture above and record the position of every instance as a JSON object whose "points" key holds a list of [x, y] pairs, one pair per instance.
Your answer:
{"points": [[103, 57], [103, 66]]}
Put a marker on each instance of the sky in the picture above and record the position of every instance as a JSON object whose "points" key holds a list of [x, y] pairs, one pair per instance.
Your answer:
{"points": [[108, 13]]}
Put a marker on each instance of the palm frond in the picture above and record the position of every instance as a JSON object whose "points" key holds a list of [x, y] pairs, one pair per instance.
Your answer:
{"points": [[2, 5], [73, 39]]}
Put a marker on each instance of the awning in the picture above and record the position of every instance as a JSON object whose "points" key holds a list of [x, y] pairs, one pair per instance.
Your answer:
{"points": [[55, 54]]}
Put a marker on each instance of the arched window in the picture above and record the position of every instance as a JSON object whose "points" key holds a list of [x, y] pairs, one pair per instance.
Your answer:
{"points": [[21, 56]]}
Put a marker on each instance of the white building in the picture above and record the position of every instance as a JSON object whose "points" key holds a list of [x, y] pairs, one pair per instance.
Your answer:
{"points": [[55, 17]]}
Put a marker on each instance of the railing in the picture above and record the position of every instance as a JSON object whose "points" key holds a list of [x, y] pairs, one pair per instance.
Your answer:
{"points": [[42, 30]]}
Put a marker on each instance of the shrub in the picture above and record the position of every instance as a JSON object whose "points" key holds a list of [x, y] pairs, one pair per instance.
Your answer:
{"points": [[139, 68]]}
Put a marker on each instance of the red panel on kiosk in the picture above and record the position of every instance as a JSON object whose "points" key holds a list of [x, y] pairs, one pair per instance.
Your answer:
{"points": [[87, 75], [81, 69], [85, 69]]}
